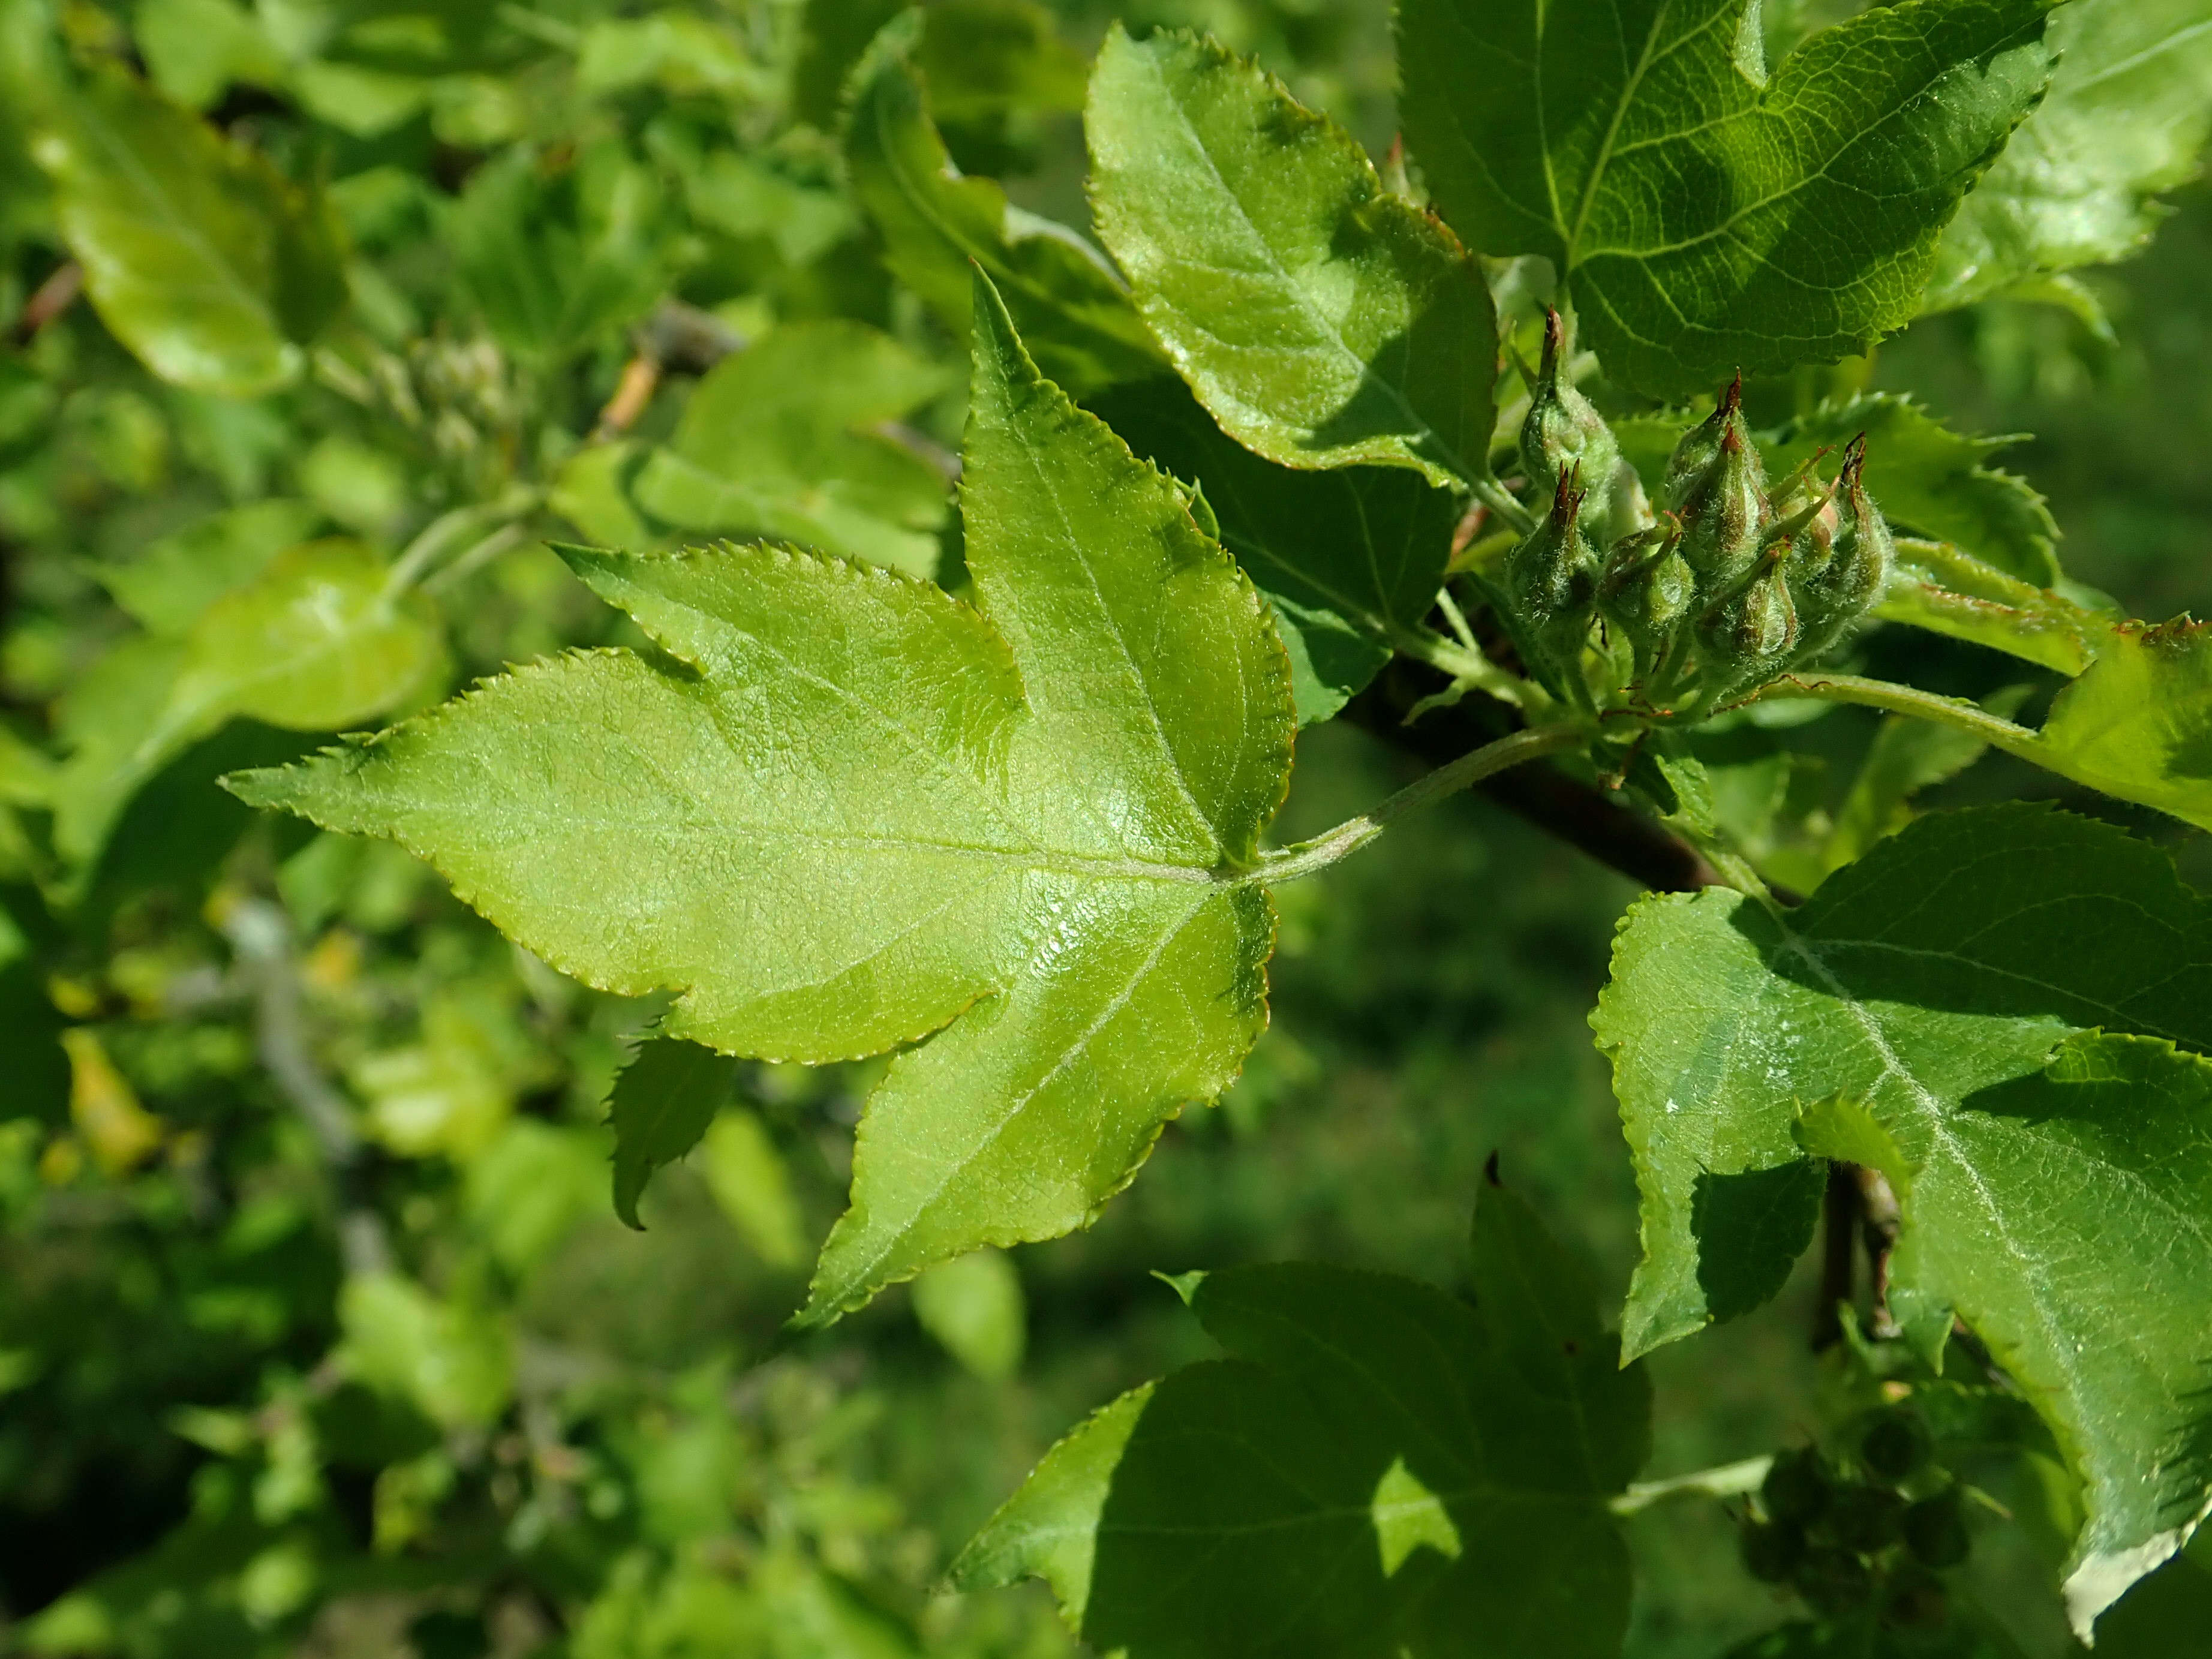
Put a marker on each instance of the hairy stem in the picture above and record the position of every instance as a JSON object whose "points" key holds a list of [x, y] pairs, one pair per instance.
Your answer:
{"points": [[1308, 856], [1957, 712], [1499, 500]]}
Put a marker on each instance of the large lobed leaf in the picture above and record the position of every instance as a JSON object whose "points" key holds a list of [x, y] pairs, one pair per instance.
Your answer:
{"points": [[2128, 113], [1322, 319], [1350, 558], [1705, 215], [197, 255], [2005, 1011], [846, 811], [1376, 1469]]}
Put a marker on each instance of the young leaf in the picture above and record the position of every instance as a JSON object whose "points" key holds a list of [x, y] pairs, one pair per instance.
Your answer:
{"points": [[2134, 724], [662, 1102], [1945, 591], [1322, 319], [315, 643], [852, 810], [1377, 1467], [1350, 558], [779, 441], [197, 254], [1945, 997], [2128, 115], [1932, 481], [1704, 216], [1074, 313]]}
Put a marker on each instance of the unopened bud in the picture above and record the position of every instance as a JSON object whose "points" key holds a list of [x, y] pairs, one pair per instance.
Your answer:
{"points": [[1563, 432], [1552, 577], [1645, 590], [1717, 484], [1745, 638], [1835, 591]]}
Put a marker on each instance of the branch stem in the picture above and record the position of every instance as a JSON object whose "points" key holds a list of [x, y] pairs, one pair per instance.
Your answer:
{"points": [[1303, 860]]}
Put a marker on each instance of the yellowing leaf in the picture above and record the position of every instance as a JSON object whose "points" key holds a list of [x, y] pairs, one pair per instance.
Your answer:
{"points": [[122, 1134]]}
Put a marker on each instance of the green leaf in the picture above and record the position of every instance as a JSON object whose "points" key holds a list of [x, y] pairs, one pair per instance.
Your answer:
{"points": [[197, 255], [846, 811], [1350, 558], [2127, 118], [1705, 216], [1951, 592], [973, 1305], [555, 251], [1322, 319], [168, 587], [1930, 481], [1072, 310], [1377, 1467], [782, 439], [746, 1175], [2138, 722], [1906, 757], [662, 1104], [1959, 998], [316, 643]]}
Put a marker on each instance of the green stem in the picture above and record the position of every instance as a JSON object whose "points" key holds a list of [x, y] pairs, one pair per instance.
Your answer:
{"points": [[1728, 1480], [1293, 863], [448, 530], [1955, 712], [1465, 664], [1499, 500]]}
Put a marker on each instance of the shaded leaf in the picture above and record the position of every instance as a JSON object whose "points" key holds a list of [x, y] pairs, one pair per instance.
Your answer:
{"points": [[2127, 117], [662, 1104], [1323, 321], [1932, 482], [197, 255], [1947, 999], [1072, 310], [1707, 216], [1350, 558], [851, 811], [779, 440], [1376, 1468]]}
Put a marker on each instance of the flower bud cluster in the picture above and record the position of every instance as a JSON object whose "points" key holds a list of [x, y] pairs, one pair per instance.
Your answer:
{"points": [[1731, 584]]}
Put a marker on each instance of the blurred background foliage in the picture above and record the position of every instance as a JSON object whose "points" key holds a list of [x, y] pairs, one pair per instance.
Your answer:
{"points": [[318, 1335]]}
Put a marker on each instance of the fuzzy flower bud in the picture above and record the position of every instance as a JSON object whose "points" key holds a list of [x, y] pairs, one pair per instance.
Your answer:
{"points": [[1564, 431], [1645, 590], [1846, 559], [1745, 638], [1717, 484], [1551, 579]]}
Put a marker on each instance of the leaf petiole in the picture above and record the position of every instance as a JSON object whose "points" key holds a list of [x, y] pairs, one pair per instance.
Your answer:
{"points": [[1956, 712], [1294, 863], [1727, 1480], [1500, 501]]}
